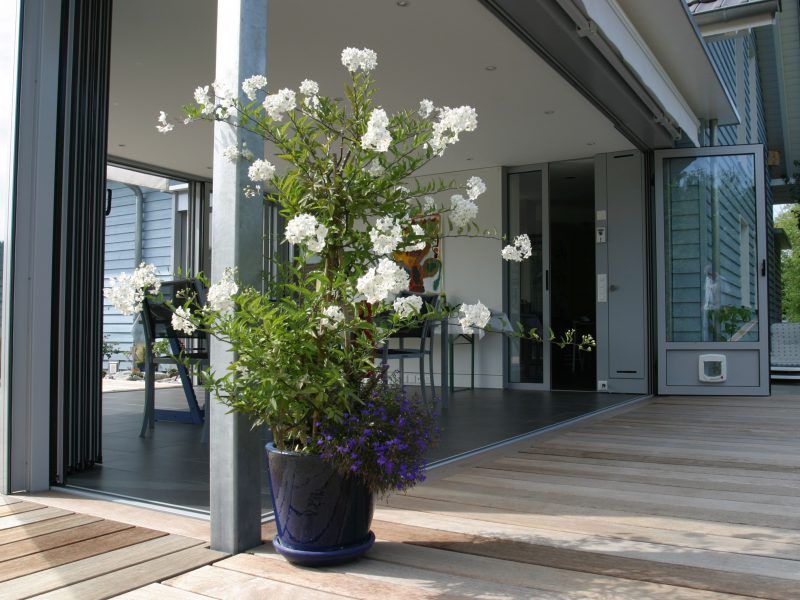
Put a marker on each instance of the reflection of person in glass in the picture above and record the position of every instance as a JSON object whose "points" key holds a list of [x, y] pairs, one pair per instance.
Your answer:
{"points": [[710, 299]]}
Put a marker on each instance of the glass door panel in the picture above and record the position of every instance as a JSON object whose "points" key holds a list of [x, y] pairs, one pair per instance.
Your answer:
{"points": [[712, 271], [528, 362]]}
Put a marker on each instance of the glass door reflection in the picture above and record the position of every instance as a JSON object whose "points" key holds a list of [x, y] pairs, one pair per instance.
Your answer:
{"points": [[528, 361]]}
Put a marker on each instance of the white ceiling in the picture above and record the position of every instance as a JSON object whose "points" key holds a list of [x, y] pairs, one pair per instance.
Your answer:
{"points": [[163, 49]]}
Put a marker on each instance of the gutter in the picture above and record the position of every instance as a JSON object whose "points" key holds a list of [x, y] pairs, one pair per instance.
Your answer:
{"points": [[137, 247], [733, 20]]}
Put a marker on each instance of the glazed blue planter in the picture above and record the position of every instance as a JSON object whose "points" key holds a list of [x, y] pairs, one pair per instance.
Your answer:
{"points": [[322, 518]]}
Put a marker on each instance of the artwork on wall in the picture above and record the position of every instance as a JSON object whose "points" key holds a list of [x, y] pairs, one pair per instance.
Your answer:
{"points": [[424, 266]]}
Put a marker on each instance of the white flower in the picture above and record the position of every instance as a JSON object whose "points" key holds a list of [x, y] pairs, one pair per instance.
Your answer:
{"points": [[405, 306], [462, 211], [220, 295], [231, 154], [425, 108], [521, 249], [261, 170], [428, 204], [473, 315], [203, 98], [381, 281], [355, 59], [386, 236], [375, 168], [225, 97], [332, 316], [452, 121], [377, 136], [251, 85], [419, 232], [475, 187], [309, 87], [127, 292], [164, 126], [182, 321], [305, 229], [251, 191], [280, 103]]}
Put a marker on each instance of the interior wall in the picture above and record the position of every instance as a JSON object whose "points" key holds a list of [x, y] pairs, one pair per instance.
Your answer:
{"points": [[473, 271]]}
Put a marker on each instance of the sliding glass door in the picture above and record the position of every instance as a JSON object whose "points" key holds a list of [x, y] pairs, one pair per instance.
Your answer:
{"points": [[527, 283]]}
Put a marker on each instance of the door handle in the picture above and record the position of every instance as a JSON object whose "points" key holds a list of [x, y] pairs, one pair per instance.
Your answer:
{"points": [[547, 280], [763, 267]]}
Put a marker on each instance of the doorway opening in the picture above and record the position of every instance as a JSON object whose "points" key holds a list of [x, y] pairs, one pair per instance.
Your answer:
{"points": [[572, 271]]}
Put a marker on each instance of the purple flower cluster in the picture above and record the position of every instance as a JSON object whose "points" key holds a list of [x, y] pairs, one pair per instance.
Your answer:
{"points": [[383, 441]]}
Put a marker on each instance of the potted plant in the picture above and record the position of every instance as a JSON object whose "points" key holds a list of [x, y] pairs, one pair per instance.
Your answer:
{"points": [[304, 345]]}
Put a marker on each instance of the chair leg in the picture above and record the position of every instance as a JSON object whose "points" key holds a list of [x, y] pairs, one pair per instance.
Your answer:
{"points": [[148, 418], [422, 377], [430, 370]]}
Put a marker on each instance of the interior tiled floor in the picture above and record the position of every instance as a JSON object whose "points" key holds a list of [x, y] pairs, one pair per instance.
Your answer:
{"points": [[170, 465]]}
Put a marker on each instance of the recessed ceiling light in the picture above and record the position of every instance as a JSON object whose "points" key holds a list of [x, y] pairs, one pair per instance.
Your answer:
{"points": [[120, 145], [549, 112], [491, 68], [590, 143], [469, 158], [209, 168], [403, 3]]}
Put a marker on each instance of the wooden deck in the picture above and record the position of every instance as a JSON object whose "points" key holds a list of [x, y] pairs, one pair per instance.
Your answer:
{"points": [[676, 499], [49, 552]]}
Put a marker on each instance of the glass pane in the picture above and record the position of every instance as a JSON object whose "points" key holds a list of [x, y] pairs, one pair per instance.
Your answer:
{"points": [[711, 249], [525, 279]]}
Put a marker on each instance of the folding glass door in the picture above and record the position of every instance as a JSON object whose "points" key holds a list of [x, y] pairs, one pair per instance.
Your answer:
{"points": [[527, 282]]}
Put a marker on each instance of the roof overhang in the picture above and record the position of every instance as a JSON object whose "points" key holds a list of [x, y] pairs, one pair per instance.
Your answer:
{"points": [[730, 17], [673, 37]]}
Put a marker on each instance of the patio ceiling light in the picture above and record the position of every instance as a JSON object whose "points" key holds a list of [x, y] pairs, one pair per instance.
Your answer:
{"points": [[403, 3], [491, 68], [549, 112]]}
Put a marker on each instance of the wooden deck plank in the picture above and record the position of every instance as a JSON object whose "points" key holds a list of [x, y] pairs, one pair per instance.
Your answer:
{"points": [[33, 530], [392, 580], [32, 516], [57, 539], [159, 591], [62, 555], [17, 507], [223, 583], [97, 566], [336, 580], [135, 576]]}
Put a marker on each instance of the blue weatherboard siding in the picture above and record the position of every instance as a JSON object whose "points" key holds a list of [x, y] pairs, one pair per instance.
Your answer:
{"points": [[120, 250], [740, 54]]}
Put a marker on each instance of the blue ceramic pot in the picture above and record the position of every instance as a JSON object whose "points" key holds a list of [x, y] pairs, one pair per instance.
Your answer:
{"points": [[322, 518]]}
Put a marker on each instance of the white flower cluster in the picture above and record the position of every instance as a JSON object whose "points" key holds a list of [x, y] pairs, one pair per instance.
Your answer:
{"points": [[332, 316], [462, 211], [261, 170], [473, 315], [425, 108], [520, 250], [220, 295], [451, 122], [406, 306], [375, 168], [225, 99], [377, 136], [164, 126], [475, 187], [127, 292], [251, 85], [381, 281], [386, 236], [429, 204], [233, 154], [418, 231], [363, 59], [309, 87], [182, 321], [203, 98], [305, 229], [279, 103]]}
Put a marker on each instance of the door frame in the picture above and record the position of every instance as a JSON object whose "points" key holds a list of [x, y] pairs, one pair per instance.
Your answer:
{"points": [[546, 354], [762, 345]]}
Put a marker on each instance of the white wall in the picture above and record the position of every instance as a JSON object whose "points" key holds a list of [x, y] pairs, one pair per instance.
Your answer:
{"points": [[473, 270]]}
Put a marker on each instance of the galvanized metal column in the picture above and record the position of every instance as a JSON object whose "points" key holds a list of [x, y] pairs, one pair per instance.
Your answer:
{"points": [[236, 226]]}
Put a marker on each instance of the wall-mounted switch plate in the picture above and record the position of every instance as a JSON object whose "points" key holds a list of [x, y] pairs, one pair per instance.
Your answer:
{"points": [[600, 235], [602, 386]]}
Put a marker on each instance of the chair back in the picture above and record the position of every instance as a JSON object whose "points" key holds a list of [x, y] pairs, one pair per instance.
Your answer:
{"points": [[425, 329], [157, 316]]}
